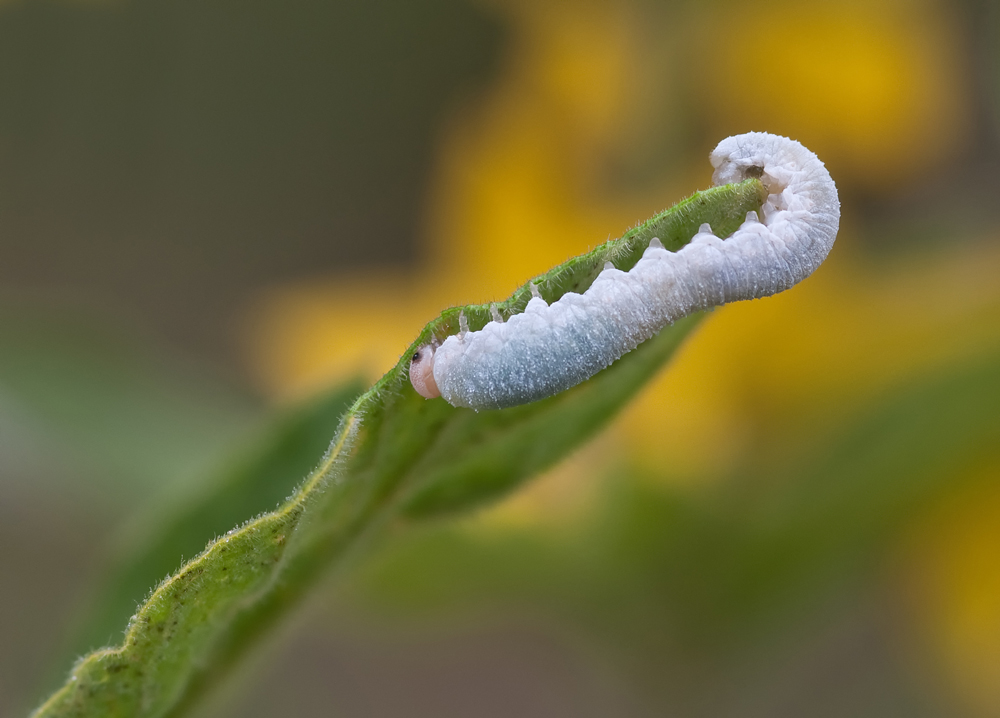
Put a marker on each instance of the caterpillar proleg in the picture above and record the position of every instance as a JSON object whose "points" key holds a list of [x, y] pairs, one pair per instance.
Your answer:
{"points": [[549, 348]]}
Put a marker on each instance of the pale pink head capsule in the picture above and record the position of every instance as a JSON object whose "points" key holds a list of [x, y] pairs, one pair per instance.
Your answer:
{"points": [[422, 372]]}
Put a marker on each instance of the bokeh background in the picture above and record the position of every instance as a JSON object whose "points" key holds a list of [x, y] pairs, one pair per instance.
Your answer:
{"points": [[212, 211]]}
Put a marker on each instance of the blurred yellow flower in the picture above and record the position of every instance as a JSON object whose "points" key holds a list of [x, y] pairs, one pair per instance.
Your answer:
{"points": [[518, 189], [875, 88]]}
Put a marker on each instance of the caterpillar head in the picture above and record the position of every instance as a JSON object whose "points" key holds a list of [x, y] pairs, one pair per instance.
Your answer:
{"points": [[422, 372]]}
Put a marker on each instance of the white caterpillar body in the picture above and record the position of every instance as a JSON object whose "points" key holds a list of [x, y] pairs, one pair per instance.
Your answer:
{"points": [[552, 347]]}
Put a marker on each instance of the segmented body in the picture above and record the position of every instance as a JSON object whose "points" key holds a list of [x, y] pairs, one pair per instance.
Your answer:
{"points": [[551, 347]]}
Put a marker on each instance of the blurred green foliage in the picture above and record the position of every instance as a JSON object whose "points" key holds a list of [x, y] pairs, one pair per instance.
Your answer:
{"points": [[689, 593]]}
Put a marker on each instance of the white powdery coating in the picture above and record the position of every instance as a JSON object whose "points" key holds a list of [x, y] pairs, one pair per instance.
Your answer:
{"points": [[550, 348]]}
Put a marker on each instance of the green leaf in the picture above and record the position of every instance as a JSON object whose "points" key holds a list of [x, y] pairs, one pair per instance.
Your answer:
{"points": [[255, 482], [395, 456]]}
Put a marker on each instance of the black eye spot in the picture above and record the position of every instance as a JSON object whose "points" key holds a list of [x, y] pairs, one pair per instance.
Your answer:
{"points": [[755, 172], [416, 357]]}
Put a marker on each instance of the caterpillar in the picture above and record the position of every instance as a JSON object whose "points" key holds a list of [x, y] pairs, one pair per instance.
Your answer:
{"points": [[551, 347]]}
